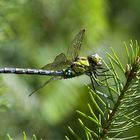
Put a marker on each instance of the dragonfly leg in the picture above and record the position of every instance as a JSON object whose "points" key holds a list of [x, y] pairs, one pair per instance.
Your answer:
{"points": [[102, 73], [94, 76], [104, 70], [92, 82], [106, 79]]}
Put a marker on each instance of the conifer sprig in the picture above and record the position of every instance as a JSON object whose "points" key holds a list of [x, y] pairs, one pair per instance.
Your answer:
{"points": [[116, 106]]}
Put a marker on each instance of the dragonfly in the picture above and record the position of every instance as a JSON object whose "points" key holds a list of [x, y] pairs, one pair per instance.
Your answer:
{"points": [[66, 66]]}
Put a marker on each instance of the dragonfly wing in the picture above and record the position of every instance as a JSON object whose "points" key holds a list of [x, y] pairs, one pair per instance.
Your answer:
{"points": [[44, 84], [60, 62], [74, 49]]}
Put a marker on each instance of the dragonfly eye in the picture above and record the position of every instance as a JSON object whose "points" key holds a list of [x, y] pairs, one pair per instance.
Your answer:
{"points": [[95, 58]]}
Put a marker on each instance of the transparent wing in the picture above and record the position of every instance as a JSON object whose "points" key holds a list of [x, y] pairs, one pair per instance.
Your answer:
{"points": [[60, 62], [44, 84], [74, 49]]}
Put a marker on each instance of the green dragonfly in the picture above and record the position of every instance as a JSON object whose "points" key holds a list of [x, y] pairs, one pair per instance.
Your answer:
{"points": [[66, 66]]}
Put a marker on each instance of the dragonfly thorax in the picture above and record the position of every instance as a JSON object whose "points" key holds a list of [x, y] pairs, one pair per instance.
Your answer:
{"points": [[95, 60], [77, 68], [80, 66], [81, 61]]}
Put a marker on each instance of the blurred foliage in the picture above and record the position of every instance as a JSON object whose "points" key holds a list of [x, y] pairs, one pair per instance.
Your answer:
{"points": [[32, 33]]}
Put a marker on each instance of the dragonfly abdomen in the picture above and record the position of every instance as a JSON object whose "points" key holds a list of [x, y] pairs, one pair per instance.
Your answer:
{"points": [[31, 71]]}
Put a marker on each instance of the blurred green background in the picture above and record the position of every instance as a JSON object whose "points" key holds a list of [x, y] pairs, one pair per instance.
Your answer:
{"points": [[32, 33]]}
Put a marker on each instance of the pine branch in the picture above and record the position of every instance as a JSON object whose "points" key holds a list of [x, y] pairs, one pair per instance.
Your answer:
{"points": [[131, 75], [24, 137], [117, 108]]}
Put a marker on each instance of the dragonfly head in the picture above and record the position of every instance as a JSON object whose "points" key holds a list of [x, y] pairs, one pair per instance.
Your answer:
{"points": [[95, 59]]}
